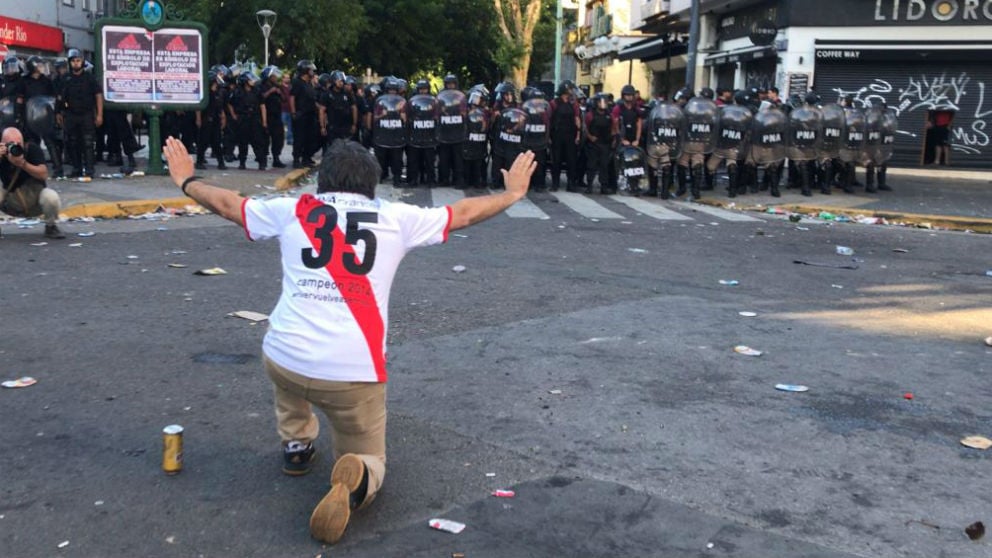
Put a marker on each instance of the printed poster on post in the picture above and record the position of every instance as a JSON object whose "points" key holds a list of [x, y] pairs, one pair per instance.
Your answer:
{"points": [[141, 66]]}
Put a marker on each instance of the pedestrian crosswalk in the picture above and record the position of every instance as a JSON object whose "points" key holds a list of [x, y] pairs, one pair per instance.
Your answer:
{"points": [[593, 207]]}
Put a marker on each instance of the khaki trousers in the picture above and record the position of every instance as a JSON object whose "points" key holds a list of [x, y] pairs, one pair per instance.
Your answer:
{"points": [[355, 410]]}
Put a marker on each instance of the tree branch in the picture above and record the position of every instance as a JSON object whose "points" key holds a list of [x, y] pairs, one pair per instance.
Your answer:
{"points": [[501, 18]]}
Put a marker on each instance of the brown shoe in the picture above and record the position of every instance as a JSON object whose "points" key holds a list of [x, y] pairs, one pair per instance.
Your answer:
{"points": [[330, 517]]}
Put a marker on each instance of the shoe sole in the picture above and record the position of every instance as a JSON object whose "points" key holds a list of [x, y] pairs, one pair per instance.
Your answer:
{"points": [[330, 518]]}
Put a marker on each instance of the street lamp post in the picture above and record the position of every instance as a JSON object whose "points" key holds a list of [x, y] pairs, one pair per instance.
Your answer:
{"points": [[266, 19]]}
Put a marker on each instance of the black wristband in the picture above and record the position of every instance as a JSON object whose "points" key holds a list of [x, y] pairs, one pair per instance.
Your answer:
{"points": [[186, 183]]}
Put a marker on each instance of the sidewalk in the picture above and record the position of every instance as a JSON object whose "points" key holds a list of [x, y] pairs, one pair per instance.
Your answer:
{"points": [[928, 197]]}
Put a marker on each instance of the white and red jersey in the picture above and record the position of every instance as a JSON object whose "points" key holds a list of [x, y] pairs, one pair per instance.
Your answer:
{"points": [[339, 256]]}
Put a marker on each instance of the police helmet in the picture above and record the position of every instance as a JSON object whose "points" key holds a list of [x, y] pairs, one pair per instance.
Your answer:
{"points": [[538, 93], [391, 85], [324, 80], [742, 97], [706, 93], [247, 78], [600, 101], [214, 76], [350, 80], [450, 79], [88, 67], [812, 98], [11, 65], [373, 90], [270, 72], [683, 94], [527, 93], [423, 84], [628, 90], [304, 66], [74, 53], [563, 88], [61, 63], [403, 84], [506, 88], [36, 63], [336, 76]]}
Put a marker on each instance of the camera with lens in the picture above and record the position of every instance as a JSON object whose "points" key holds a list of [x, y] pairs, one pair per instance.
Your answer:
{"points": [[15, 149]]}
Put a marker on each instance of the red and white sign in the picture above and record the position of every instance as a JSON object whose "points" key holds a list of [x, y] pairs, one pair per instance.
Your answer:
{"points": [[163, 66], [20, 33]]}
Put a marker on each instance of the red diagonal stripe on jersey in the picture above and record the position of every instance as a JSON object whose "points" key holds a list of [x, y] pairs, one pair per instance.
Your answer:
{"points": [[363, 305]]}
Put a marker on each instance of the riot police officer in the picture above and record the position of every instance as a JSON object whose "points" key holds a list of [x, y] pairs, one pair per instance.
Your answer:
{"points": [[536, 135], [475, 149], [805, 143], [247, 115], [389, 128], [599, 140], [303, 106], [81, 108], [701, 116], [13, 90], [211, 121], [451, 131], [272, 93], [566, 125], [732, 142], [422, 119], [338, 111], [506, 98], [39, 98], [627, 123]]}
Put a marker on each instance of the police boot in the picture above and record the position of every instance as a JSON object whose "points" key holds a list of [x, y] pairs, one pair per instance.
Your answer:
{"points": [[870, 178], [793, 176], [765, 180], [131, 164], [881, 179], [732, 179], [88, 156], [665, 183], [826, 178], [707, 179], [805, 178], [848, 178], [683, 178], [697, 181], [652, 184], [772, 177]]}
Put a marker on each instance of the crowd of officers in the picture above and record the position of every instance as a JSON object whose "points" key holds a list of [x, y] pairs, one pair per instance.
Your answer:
{"points": [[463, 139]]}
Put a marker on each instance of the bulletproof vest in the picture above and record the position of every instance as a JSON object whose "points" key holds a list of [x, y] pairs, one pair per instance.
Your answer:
{"points": [[246, 103], [306, 96], [80, 93], [600, 125], [273, 103], [11, 88], [338, 105], [628, 122], [36, 87], [563, 117]]}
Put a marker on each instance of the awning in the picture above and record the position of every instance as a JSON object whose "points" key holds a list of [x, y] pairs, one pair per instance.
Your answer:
{"points": [[650, 49], [740, 55]]}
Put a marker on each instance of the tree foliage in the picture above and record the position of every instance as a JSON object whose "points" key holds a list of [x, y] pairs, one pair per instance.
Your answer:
{"points": [[407, 38]]}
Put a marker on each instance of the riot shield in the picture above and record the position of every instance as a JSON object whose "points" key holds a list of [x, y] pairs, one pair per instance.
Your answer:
{"points": [[666, 131], [388, 130], [834, 130], [422, 121], [805, 133], [854, 135], [631, 171], [701, 117], [40, 114], [873, 134], [733, 132], [890, 126], [477, 124], [453, 106], [769, 136], [510, 132], [538, 119], [8, 114]]}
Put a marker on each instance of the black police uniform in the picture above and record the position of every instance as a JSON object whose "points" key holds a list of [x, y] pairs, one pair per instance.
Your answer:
{"points": [[42, 86], [306, 135], [272, 99], [338, 104], [211, 131], [599, 125], [78, 105], [247, 105], [563, 148]]}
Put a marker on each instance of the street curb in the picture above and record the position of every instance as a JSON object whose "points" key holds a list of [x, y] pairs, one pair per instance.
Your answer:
{"points": [[921, 220], [121, 209], [941, 173]]}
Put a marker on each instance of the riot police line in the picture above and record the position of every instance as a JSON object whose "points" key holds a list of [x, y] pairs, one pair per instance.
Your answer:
{"points": [[463, 139]]}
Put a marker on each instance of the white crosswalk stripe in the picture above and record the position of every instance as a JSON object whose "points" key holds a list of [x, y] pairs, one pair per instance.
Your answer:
{"points": [[445, 196], [726, 215], [652, 209], [585, 206], [526, 209]]}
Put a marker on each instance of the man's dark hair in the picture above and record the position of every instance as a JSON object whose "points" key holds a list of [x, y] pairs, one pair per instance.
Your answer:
{"points": [[773, 90], [348, 167]]}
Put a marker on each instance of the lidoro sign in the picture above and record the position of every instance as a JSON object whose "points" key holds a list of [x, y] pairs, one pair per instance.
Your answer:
{"points": [[939, 10]]}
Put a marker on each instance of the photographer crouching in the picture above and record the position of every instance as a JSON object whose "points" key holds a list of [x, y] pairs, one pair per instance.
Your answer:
{"points": [[23, 172]]}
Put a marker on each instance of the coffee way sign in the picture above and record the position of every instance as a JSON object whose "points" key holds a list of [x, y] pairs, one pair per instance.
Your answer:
{"points": [[890, 12]]}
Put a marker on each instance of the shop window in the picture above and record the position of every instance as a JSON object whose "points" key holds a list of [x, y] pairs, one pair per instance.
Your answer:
{"points": [[69, 3]]}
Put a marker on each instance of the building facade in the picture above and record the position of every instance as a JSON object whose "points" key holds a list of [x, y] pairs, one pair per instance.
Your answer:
{"points": [[920, 57], [50, 27], [607, 28]]}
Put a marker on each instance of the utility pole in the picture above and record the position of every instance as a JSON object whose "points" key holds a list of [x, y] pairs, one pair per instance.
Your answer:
{"points": [[690, 65], [559, 13]]}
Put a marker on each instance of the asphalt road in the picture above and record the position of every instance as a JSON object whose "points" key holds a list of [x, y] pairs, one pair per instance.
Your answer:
{"points": [[662, 441]]}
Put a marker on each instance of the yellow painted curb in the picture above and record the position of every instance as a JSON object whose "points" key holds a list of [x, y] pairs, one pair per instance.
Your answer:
{"points": [[290, 179], [116, 210], [922, 220]]}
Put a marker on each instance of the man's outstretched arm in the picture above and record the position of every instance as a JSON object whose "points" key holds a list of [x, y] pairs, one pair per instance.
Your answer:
{"points": [[223, 202], [469, 211]]}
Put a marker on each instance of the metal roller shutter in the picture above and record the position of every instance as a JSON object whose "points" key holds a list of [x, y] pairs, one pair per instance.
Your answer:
{"points": [[916, 88]]}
